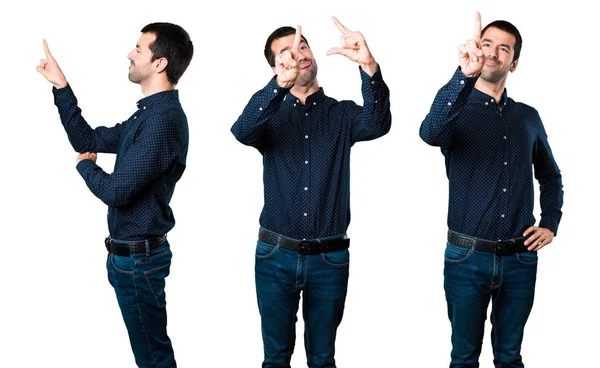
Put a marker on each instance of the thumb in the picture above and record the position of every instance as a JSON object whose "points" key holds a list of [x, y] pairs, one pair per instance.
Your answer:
{"points": [[339, 51], [42, 71]]}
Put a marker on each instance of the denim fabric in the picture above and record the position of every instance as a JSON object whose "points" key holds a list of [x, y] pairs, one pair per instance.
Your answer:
{"points": [[281, 276], [139, 282], [471, 279]]}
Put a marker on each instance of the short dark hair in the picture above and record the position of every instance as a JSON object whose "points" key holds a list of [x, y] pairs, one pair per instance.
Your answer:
{"points": [[278, 33], [173, 43], [508, 27]]}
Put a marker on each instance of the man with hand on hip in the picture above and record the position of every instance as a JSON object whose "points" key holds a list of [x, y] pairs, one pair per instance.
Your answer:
{"points": [[305, 139], [490, 143], [151, 147]]}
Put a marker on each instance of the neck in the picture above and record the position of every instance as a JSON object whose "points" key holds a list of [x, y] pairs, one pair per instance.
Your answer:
{"points": [[490, 88], [302, 92], [152, 86]]}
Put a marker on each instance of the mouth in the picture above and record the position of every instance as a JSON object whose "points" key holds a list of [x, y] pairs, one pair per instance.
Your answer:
{"points": [[489, 62], [305, 64]]}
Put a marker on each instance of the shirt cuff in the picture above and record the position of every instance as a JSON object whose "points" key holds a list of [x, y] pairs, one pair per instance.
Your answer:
{"points": [[85, 166], [63, 95]]}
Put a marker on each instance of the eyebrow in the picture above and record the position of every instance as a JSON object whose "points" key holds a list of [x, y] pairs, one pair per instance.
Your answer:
{"points": [[290, 47], [502, 44]]}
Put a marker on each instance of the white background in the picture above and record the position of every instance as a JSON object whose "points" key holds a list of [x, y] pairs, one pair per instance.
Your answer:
{"points": [[57, 308]]}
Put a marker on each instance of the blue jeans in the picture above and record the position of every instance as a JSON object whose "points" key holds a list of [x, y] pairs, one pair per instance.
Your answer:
{"points": [[139, 282], [471, 278], [281, 274]]}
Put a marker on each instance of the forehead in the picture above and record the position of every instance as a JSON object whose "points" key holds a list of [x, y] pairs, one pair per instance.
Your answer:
{"points": [[283, 43], [499, 36], [146, 39]]}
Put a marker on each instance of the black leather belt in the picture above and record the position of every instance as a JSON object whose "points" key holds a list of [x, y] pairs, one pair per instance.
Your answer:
{"points": [[126, 248], [499, 248], [305, 247]]}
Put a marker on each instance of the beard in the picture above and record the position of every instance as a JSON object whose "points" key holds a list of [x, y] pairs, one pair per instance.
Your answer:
{"points": [[138, 74], [494, 75], [308, 75]]}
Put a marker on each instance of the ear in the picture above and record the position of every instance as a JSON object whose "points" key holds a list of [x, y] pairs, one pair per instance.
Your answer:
{"points": [[513, 65], [161, 64]]}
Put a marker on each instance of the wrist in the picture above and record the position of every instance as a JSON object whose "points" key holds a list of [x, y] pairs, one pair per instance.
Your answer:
{"points": [[370, 68]]}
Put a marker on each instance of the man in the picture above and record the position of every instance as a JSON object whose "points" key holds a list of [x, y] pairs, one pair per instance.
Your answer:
{"points": [[490, 143], [151, 148], [305, 139]]}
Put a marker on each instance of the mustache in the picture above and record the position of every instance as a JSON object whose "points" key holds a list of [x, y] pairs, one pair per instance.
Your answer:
{"points": [[492, 59]]}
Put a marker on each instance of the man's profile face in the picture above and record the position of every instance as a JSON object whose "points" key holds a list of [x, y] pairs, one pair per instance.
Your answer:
{"points": [[140, 67]]}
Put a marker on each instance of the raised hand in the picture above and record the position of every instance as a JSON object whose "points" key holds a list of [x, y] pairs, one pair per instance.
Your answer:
{"points": [[355, 48], [287, 67], [470, 56], [50, 70]]}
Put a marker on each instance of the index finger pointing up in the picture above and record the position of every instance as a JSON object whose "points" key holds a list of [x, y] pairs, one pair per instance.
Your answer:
{"points": [[47, 50], [477, 36], [297, 38], [340, 26]]}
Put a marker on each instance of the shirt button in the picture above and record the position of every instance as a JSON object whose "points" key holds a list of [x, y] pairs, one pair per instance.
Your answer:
{"points": [[144, 107], [305, 214], [372, 82], [502, 215], [297, 101], [306, 162], [305, 188], [505, 163], [306, 136], [449, 103], [135, 117], [314, 104], [486, 103], [275, 91], [462, 82], [305, 114], [375, 101], [504, 189], [504, 137], [492, 100], [294, 105], [260, 109]]}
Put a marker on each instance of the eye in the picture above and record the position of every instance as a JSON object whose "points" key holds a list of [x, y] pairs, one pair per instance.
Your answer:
{"points": [[504, 49], [485, 45], [303, 47]]}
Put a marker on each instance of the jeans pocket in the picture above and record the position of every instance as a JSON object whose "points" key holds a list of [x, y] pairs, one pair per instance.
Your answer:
{"points": [[456, 253], [264, 250], [340, 258], [121, 264], [156, 282], [527, 258]]}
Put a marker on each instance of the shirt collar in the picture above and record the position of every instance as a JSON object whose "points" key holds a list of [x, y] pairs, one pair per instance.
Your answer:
{"points": [[159, 98], [479, 97], [313, 99]]}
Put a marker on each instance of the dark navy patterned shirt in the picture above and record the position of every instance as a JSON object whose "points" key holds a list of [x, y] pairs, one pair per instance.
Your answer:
{"points": [[151, 148], [490, 147], [306, 153]]}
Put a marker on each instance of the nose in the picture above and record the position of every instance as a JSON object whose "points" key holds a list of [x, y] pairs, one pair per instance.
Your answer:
{"points": [[130, 55]]}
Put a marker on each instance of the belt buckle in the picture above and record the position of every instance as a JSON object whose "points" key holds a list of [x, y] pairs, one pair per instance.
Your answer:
{"points": [[503, 247], [304, 246]]}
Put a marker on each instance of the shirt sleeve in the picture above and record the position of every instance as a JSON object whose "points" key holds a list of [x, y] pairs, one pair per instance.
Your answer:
{"points": [[82, 137], [375, 117], [436, 129], [548, 175], [250, 128], [152, 153]]}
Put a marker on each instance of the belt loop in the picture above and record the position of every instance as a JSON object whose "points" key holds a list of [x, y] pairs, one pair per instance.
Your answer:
{"points": [[278, 240], [147, 243]]}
